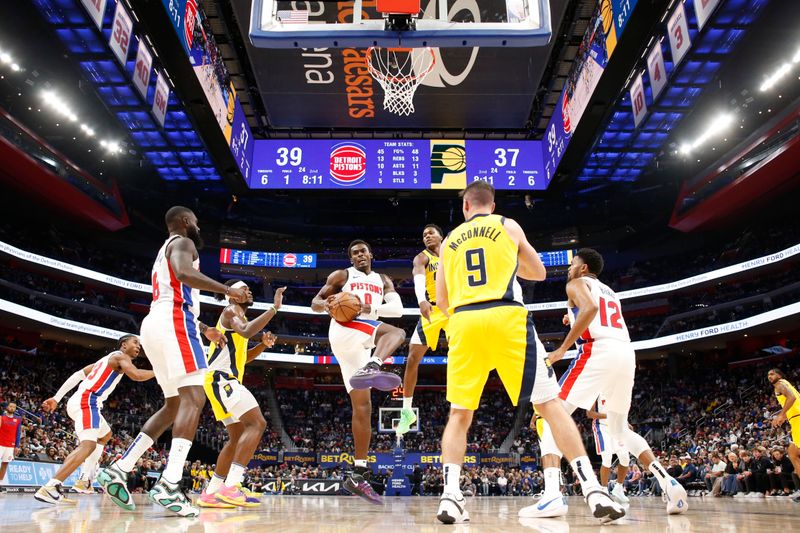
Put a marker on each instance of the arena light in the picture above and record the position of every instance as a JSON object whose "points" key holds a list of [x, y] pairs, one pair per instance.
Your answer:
{"points": [[776, 76], [718, 125], [6, 58]]}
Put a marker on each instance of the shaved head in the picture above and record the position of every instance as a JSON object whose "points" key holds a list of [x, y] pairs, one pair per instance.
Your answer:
{"points": [[175, 213]]}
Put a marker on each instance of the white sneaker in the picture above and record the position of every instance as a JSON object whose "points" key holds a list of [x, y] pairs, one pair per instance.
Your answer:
{"points": [[546, 507], [676, 498], [741, 495], [452, 509], [603, 507], [170, 496], [618, 494]]}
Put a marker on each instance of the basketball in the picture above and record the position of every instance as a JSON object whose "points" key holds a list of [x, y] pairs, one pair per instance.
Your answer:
{"points": [[345, 306]]}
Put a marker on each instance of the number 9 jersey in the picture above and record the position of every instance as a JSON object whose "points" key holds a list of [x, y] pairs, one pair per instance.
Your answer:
{"points": [[608, 323], [481, 262]]}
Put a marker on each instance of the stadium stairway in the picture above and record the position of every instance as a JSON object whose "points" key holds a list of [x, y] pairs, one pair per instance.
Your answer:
{"points": [[276, 422]]}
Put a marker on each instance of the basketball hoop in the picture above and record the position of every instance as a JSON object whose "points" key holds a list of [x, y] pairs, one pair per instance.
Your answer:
{"points": [[400, 71]]}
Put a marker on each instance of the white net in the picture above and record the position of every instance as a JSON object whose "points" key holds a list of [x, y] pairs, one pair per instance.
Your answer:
{"points": [[400, 71]]}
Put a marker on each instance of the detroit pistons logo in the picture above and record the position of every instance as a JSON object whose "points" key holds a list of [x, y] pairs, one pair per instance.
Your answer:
{"points": [[189, 18], [289, 260], [348, 164], [565, 114]]}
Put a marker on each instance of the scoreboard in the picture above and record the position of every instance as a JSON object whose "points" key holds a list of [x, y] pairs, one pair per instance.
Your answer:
{"points": [[228, 256], [396, 164], [557, 258]]}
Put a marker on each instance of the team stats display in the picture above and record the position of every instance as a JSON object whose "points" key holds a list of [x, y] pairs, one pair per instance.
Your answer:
{"points": [[396, 164], [228, 256], [557, 258]]}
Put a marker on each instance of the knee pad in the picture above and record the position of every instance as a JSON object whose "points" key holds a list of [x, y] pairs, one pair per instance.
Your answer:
{"points": [[624, 457], [620, 432], [608, 458]]}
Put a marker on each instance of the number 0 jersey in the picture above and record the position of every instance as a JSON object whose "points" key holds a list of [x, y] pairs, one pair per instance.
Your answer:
{"points": [[430, 275], [368, 287], [608, 323], [480, 262]]}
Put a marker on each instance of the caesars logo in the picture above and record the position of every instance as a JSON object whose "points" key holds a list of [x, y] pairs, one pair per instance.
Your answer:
{"points": [[440, 76], [448, 165], [343, 458], [348, 164]]}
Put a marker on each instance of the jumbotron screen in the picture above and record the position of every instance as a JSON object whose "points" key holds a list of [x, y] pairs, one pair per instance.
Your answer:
{"points": [[397, 164], [228, 256]]}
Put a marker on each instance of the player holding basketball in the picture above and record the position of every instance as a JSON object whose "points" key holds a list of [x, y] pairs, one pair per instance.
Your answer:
{"points": [[606, 447], [789, 399], [352, 343], [490, 329], [95, 383], [431, 322], [10, 431], [171, 340], [232, 403], [605, 365]]}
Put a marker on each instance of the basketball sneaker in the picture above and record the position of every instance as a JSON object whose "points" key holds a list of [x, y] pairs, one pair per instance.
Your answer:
{"points": [[52, 494], [253, 498], [171, 497], [602, 506], [618, 494], [547, 507], [210, 500], [356, 484], [676, 497], [115, 483], [407, 419], [82, 486], [452, 509], [236, 496], [371, 376]]}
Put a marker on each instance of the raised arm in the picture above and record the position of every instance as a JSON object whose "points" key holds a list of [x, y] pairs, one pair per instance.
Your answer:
{"points": [[123, 364], [530, 264], [180, 254], [71, 382], [579, 294], [333, 285], [248, 329]]}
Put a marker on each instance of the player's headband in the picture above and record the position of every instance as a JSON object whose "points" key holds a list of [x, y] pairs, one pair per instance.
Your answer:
{"points": [[236, 286]]}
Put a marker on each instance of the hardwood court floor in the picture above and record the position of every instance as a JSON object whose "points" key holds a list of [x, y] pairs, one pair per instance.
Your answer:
{"points": [[20, 513]]}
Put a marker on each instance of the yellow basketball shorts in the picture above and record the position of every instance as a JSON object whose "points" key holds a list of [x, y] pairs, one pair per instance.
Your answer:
{"points": [[794, 423], [501, 336], [427, 333], [229, 399]]}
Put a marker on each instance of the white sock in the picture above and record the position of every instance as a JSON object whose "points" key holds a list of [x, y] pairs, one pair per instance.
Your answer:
{"points": [[235, 475], [89, 466], [178, 452], [660, 474], [552, 481], [360, 462], [53, 482], [583, 470], [215, 484], [140, 444], [377, 360], [452, 478], [407, 402]]}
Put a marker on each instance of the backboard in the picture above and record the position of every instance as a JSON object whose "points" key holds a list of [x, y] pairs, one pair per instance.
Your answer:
{"points": [[441, 23], [389, 417]]}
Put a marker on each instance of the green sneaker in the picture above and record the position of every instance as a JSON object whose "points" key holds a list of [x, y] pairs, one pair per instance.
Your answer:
{"points": [[171, 497], [115, 483], [407, 419]]}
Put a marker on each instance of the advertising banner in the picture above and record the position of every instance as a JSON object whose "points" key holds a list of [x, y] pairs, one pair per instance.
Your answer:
{"points": [[34, 473], [264, 457], [299, 458]]}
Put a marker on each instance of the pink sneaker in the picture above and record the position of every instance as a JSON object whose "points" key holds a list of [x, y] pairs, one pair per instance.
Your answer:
{"points": [[209, 500], [233, 496]]}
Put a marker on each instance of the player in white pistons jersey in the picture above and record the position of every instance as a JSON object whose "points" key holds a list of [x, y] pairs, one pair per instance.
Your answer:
{"points": [[352, 343], [605, 365], [85, 407], [171, 340], [606, 447]]}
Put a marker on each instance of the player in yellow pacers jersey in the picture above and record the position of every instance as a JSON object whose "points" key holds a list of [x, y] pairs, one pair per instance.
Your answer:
{"points": [[789, 399], [232, 403], [490, 329], [432, 320]]}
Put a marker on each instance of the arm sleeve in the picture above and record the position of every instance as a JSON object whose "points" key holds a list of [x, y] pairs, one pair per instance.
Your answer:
{"points": [[70, 384], [419, 288], [392, 307], [19, 434]]}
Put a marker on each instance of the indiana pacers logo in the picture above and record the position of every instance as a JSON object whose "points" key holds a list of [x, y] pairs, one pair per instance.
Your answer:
{"points": [[448, 165]]}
